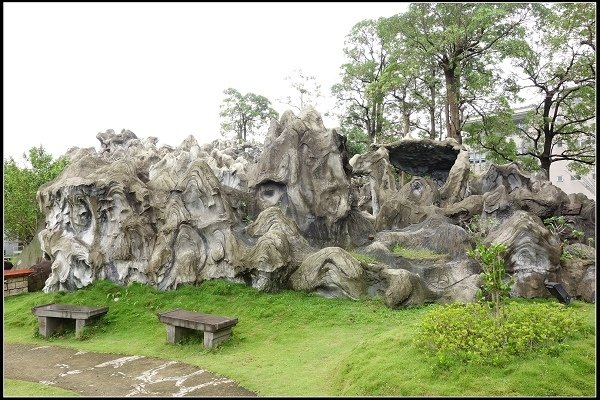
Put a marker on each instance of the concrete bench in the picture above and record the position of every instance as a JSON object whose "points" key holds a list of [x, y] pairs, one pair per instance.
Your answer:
{"points": [[180, 323], [54, 317]]}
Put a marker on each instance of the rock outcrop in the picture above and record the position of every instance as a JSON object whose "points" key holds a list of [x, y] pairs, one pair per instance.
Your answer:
{"points": [[295, 213]]}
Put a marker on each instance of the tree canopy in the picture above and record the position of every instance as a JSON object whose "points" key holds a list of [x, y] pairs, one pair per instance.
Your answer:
{"points": [[244, 114], [454, 69], [557, 65], [21, 212]]}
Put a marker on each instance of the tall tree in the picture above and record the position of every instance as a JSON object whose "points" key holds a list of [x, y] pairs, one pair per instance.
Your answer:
{"points": [[360, 93], [410, 80], [460, 36], [21, 213], [243, 114], [307, 90], [558, 62]]}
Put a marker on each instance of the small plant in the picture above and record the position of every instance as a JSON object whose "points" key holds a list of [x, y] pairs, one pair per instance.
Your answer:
{"points": [[566, 255], [556, 225], [478, 227], [577, 235], [495, 284]]}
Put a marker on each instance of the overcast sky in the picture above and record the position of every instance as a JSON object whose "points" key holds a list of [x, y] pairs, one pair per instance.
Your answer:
{"points": [[72, 70]]}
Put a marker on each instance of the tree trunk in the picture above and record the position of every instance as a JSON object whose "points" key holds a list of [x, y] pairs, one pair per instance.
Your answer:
{"points": [[432, 133], [447, 119], [452, 91], [373, 124], [370, 129], [405, 114], [545, 160]]}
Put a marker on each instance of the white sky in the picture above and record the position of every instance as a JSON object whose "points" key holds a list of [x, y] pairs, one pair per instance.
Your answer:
{"points": [[72, 70]]}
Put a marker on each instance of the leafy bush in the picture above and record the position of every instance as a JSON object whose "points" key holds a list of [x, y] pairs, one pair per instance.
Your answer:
{"points": [[458, 333]]}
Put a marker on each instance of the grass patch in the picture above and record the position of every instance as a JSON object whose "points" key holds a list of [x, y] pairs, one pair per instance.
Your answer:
{"points": [[18, 388], [418, 253], [363, 258], [297, 344]]}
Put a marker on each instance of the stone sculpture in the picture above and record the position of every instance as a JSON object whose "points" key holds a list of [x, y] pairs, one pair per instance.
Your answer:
{"points": [[295, 213]]}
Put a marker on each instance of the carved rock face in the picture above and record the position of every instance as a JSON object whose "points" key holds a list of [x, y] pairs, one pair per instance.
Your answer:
{"points": [[380, 181], [304, 170], [331, 272], [103, 222], [533, 253]]}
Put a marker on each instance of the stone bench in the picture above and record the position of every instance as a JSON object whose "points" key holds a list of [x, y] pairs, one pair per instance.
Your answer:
{"points": [[180, 323], [54, 317]]}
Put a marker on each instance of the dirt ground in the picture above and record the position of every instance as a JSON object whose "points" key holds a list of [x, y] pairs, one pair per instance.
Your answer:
{"points": [[99, 374]]}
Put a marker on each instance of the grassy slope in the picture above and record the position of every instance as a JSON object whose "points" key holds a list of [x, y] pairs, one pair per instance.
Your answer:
{"points": [[292, 343], [17, 388]]}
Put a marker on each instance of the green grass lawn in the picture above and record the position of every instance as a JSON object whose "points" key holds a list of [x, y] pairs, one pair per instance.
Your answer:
{"points": [[297, 344], [17, 388]]}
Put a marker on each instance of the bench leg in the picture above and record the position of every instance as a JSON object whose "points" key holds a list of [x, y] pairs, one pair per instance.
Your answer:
{"points": [[79, 324], [176, 333], [50, 325], [212, 339]]}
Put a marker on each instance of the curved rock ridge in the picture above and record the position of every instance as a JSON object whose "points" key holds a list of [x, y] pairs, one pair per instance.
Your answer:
{"points": [[295, 213]]}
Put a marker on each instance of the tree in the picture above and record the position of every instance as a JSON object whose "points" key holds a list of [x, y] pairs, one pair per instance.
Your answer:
{"points": [[559, 65], [496, 285], [410, 80], [466, 40], [360, 93], [306, 90], [21, 213], [244, 114]]}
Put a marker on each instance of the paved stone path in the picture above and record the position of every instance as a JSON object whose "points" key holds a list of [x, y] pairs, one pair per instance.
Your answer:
{"points": [[99, 374]]}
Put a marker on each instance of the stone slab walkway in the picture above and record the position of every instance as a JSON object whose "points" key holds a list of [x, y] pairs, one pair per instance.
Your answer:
{"points": [[100, 374]]}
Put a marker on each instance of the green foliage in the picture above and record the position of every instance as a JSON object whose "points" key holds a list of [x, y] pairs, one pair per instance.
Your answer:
{"points": [[417, 253], [360, 94], [21, 213], [457, 333], [557, 225], [496, 287], [244, 114], [332, 347], [357, 142], [557, 65], [465, 43], [363, 258]]}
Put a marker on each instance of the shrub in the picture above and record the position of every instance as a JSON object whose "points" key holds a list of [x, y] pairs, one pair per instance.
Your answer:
{"points": [[495, 284], [458, 333]]}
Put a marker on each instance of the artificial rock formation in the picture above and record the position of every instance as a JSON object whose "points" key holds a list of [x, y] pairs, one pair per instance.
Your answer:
{"points": [[304, 169], [533, 253], [331, 272], [283, 215]]}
